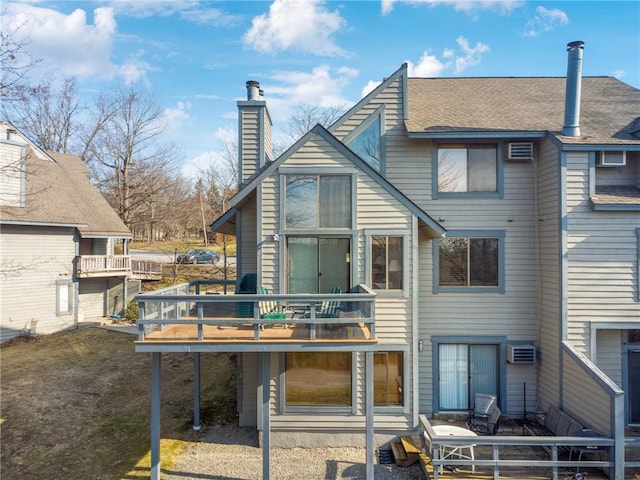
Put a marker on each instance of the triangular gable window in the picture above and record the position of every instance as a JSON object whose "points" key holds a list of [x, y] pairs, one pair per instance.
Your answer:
{"points": [[368, 144]]}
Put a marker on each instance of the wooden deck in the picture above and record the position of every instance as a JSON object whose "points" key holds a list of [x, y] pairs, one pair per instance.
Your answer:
{"points": [[234, 333]]}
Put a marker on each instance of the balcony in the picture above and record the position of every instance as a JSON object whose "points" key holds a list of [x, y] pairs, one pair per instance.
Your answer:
{"points": [[91, 266], [182, 319]]}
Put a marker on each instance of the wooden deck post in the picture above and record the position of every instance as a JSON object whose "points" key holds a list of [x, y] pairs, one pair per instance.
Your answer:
{"points": [[368, 410], [155, 415], [266, 416], [196, 391]]}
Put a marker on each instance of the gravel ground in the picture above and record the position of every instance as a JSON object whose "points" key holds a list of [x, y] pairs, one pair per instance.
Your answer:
{"points": [[231, 453]]}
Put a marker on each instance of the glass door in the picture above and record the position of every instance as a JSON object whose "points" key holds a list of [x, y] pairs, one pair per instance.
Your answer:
{"points": [[318, 264], [634, 386], [465, 370]]}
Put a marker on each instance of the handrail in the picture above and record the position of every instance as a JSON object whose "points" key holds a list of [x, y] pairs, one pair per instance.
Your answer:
{"points": [[432, 442], [178, 305]]}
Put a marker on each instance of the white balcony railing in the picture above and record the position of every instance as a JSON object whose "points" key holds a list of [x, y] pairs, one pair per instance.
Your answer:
{"points": [[103, 265]]}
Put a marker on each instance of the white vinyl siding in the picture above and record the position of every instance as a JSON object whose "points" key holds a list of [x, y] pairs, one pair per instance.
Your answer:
{"points": [[91, 298], [12, 174], [36, 258]]}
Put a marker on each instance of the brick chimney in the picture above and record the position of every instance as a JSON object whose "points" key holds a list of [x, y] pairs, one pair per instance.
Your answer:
{"points": [[572, 94], [254, 133]]}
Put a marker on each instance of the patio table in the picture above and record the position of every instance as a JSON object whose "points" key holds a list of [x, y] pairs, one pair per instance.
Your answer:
{"points": [[449, 451]]}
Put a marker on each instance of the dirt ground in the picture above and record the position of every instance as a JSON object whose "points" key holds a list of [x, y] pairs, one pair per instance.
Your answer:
{"points": [[76, 405]]}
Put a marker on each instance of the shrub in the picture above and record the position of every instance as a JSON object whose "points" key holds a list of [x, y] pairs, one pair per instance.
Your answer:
{"points": [[131, 311]]}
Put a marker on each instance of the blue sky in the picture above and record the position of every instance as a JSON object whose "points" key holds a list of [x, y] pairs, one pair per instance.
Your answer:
{"points": [[197, 55]]}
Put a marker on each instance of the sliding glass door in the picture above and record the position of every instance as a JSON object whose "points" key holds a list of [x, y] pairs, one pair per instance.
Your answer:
{"points": [[318, 264], [465, 370]]}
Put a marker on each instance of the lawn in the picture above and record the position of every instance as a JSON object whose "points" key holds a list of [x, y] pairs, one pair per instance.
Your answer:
{"points": [[76, 405]]}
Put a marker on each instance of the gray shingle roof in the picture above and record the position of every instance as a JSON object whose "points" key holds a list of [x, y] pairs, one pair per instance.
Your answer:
{"points": [[60, 192], [610, 109]]}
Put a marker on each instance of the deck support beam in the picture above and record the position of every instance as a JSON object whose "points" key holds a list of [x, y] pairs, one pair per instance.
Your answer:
{"points": [[266, 415], [196, 391], [155, 415], [368, 410]]}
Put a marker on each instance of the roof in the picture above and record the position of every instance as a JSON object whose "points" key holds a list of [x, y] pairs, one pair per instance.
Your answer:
{"points": [[58, 191], [220, 224], [609, 113]]}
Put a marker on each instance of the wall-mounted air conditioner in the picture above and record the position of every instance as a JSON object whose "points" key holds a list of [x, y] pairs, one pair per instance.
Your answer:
{"points": [[521, 354], [520, 151], [611, 159]]}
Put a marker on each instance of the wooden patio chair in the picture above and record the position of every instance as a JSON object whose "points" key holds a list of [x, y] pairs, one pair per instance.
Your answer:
{"points": [[270, 310]]}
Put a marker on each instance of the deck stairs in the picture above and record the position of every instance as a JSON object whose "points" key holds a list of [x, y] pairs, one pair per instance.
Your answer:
{"points": [[407, 451]]}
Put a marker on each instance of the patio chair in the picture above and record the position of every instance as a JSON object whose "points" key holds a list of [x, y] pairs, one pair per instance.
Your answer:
{"points": [[330, 308], [270, 310], [486, 414]]}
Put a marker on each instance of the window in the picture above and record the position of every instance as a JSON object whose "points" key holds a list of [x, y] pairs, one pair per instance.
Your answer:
{"points": [[318, 379], [318, 264], [386, 259], [368, 144], [63, 297], [470, 262], [388, 378], [318, 201], [467, 169]]}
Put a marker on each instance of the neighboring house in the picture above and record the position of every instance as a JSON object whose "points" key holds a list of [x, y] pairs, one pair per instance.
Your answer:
{"points": [[58, 241], [497, 222], [492, 225]]}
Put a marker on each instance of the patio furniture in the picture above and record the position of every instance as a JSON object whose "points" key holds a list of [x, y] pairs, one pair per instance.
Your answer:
{"points": [[270, 310], [486, 414], [554, 422], [455, 451]]}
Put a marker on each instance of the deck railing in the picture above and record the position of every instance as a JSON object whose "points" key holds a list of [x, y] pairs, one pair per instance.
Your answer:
{"points": [[434, 444], [146, 269], [184, 304], [103, 265]]}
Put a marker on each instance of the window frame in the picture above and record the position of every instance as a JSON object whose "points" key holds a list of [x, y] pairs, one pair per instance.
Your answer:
{"points": [[499, 193], [318, 172], [404, 235], [500, 288], [405, 407], [378, 114], [60, 284], [282, 394], [499, 341]]}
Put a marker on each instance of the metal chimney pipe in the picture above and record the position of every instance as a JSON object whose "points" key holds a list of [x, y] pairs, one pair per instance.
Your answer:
{"points": [[571, 126], [253, 90]]}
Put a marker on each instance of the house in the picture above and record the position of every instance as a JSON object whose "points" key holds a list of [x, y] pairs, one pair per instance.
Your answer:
{"points": [[496, 221], [64, 249]]}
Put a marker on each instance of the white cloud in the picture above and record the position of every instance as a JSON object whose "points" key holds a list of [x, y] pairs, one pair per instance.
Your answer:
{"points": [[302, 25], [619, 73], [174, 116], [189, 10], [322, 87], [430, 65], [69, 44], [470, 7], [545, 20], [471, 55], [427, 66], [201, 163], [369, 87]]}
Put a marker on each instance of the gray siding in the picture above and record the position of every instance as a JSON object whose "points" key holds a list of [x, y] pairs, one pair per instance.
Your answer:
{"points": [[609, 354], [602, 258], [36, 258], [249, 136], [548, 306]]}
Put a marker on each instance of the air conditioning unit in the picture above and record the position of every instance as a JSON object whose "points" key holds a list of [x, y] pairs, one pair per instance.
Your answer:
{"points": [[521, 354], [520, 151], [611, 159]]}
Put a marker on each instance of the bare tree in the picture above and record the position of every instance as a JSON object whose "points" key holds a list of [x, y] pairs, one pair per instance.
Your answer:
{"points": [[46, 116], [15, 62], [306, 116], [127, 155]]}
